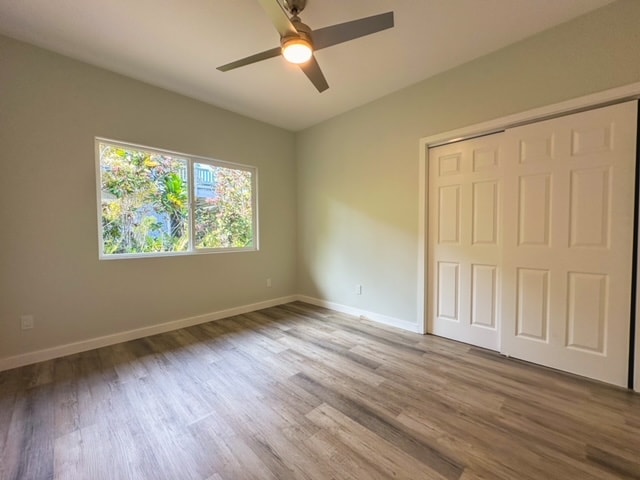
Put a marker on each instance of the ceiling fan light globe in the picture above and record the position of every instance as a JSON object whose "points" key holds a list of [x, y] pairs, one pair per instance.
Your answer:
{"points": [[297, 51]]}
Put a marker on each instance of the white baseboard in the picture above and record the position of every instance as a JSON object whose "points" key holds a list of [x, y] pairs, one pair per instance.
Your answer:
{"points": [[28, 358], [375, 317]]}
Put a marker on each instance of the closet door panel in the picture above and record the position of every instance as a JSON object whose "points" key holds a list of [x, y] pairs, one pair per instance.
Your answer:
{"points": [[568, 242]]}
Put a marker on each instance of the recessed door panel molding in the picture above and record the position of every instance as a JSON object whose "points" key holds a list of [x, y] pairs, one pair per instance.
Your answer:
{"points": [[449, 214], [589, 210], [485, 158], [537, 149], [532, 302], [592, 138], [448, 297], [485, 213], [449, 164], [534, 209], [483, 296], [587, 312]]}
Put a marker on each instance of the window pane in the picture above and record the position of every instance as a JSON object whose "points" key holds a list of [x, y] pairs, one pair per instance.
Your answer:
{"points": [[145, 201], [224, 207]]}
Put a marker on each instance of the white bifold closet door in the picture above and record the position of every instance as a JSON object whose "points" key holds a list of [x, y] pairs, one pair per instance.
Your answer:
{"points": [[554, 283]]}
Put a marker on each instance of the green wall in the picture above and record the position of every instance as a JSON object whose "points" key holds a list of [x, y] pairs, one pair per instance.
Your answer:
{"points": [[358, 172], [51, 108]]}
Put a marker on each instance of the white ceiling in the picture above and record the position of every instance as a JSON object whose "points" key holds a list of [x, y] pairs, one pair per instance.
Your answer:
{"points": [[177, 44]]}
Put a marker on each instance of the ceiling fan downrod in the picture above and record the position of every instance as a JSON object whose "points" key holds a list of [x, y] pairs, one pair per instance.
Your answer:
{"points": [[295, 7]]}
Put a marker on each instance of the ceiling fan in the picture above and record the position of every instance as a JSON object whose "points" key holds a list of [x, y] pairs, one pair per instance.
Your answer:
{"points": [[298, 41]]}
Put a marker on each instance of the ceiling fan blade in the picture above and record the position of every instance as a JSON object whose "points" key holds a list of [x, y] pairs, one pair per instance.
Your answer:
{"points": [[312, 70], [278, 17], [274, 52], [343, 32]]}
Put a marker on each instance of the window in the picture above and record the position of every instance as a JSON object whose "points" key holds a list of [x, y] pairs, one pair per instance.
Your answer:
{"points": [[152, 202]]}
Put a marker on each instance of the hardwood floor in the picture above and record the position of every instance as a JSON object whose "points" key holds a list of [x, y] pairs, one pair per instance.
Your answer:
{"points": [[300, 392]]}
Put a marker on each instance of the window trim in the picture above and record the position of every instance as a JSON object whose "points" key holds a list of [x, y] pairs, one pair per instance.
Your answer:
{"points": [[190, 159]]}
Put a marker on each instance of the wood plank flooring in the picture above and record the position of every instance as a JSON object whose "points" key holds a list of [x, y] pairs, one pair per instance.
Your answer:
{"points": [[300, 392]]}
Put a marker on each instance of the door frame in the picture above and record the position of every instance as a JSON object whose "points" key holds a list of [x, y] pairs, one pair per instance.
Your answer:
{"points": [[575, 105]]}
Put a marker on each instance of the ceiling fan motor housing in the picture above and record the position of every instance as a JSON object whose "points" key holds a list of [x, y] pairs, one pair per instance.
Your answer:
{"points": [[304, 32]]}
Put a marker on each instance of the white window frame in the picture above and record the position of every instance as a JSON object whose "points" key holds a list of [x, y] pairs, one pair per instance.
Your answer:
{"points": [[191, 160]]}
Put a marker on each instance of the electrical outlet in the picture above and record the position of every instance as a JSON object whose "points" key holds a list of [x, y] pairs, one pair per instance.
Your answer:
{"points": [[26, 322], [358, 289], [268, 283]]}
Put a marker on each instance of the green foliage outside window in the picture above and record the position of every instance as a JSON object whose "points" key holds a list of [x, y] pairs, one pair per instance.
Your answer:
{"points": [[145, 203], [226, 220]]}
